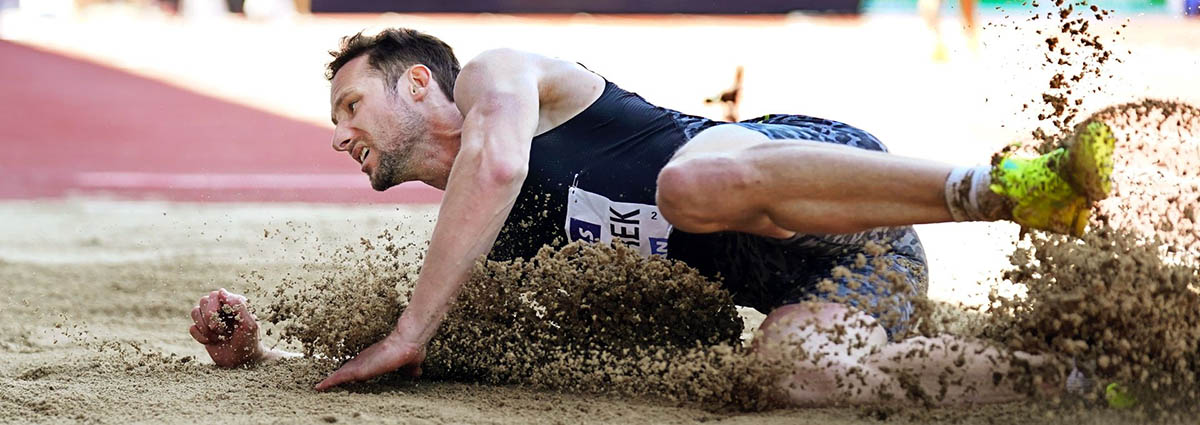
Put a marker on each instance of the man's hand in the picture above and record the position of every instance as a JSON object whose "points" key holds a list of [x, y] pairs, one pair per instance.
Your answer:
{"points": [[226, 328], [392, 353]]}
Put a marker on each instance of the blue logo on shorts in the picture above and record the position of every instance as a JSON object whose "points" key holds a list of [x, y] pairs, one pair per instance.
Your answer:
{"points": [[658, 246], [579, 229]]}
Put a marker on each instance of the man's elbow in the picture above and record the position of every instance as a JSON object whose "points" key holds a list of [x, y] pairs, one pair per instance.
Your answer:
{"points": [[509, 171]]}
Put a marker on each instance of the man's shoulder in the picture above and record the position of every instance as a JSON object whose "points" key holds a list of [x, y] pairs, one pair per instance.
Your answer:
{"points": [[503, 55], [564, 88], [510, 62], [554, 76]]}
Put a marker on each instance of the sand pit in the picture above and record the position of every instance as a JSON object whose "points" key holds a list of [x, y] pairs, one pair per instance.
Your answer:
{"points": [[144, 303], [62, 374]]}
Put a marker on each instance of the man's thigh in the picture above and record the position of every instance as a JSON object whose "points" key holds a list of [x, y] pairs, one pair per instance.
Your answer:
{"points": [[720, 139], [730, 139]]}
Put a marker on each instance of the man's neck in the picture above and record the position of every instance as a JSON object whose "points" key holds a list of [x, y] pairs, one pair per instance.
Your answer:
{"points": [[445, 133]]}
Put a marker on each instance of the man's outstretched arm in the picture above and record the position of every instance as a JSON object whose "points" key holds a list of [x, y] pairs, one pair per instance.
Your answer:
{"points": [[499, 96]]}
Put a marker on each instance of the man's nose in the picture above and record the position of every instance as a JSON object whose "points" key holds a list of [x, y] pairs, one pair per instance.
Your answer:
{"points": [[341, 139]]}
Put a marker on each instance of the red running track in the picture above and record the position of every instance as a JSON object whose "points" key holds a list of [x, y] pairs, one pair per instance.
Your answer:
{"points": [[74, 128]]}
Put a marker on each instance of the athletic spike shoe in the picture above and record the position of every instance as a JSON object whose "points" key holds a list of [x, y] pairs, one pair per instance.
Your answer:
{"points": [[1055, 191]]}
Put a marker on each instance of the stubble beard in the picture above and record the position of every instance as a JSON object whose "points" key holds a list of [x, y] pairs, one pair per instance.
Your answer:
{"points": [[396, 161], [394, 168]]}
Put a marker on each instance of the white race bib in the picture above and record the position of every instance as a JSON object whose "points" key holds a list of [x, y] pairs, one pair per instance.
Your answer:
{"points": [[595, 218]]}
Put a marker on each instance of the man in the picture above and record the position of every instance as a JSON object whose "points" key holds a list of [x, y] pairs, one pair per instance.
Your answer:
{"points": [[532, 150]]}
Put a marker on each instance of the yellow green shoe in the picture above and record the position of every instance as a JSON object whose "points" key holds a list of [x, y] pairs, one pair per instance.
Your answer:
{"points": [[1055, 191]]}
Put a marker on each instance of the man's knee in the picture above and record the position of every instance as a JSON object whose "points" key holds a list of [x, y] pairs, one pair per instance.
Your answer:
{"points": [[804, 316], [712, 185], [821, 327], [695, 192]]}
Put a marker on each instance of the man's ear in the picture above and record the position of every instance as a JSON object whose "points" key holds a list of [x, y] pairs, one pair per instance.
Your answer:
{"points": [[420, 79]]}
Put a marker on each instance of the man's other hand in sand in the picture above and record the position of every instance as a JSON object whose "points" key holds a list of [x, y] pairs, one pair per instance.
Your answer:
{"points": [[223, 323]]}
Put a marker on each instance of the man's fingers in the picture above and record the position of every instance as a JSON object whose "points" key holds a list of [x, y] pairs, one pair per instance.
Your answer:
{"points": [[196, 315], [246, 321], [201, 316], [378, 359], [328, 383], [349, 372], [232, 297], [198, 335], [338, 377], [200, 326], [210, 307], [243, 319], [203, 306]]}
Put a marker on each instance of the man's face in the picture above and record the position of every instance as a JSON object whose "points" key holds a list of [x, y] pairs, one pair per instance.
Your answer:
{"points": [[376, 126]]}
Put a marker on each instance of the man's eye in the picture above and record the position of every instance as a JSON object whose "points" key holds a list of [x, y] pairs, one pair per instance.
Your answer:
{"points": [[353, 106]]}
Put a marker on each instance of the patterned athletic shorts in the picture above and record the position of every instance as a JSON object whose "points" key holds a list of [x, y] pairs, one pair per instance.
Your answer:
{"points": [[766, 273]]}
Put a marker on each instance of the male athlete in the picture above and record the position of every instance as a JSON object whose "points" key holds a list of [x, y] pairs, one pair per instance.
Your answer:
{"points": [[532, 150]]}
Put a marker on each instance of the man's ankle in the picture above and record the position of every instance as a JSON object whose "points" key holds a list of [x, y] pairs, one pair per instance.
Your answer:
{"points": [[969, 196]]}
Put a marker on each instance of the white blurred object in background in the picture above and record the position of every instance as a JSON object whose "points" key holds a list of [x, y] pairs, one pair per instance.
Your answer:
{"points": [[269, 10], [203, 9]]}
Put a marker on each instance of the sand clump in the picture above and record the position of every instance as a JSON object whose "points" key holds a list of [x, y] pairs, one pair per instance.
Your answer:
{"points": [[1156, 173], [584, 318], [337, 307], [1111, 305]]}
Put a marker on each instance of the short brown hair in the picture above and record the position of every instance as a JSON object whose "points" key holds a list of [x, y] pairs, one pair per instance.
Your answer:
{"points": [[393, 51]]}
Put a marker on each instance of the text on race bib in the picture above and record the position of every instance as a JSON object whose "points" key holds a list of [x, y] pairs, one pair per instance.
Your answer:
{"points": [[595, 218]]}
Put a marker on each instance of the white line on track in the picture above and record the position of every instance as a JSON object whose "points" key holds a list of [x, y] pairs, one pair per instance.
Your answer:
{"points": [[220, 181]]}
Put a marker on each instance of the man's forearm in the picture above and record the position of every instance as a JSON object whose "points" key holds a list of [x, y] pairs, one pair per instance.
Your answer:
{"points": [[447, 268], [499, 122], [475, 208]]}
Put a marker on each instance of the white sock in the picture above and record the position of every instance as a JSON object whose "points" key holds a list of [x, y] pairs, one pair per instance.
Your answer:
{"points": [[969, 197]]}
